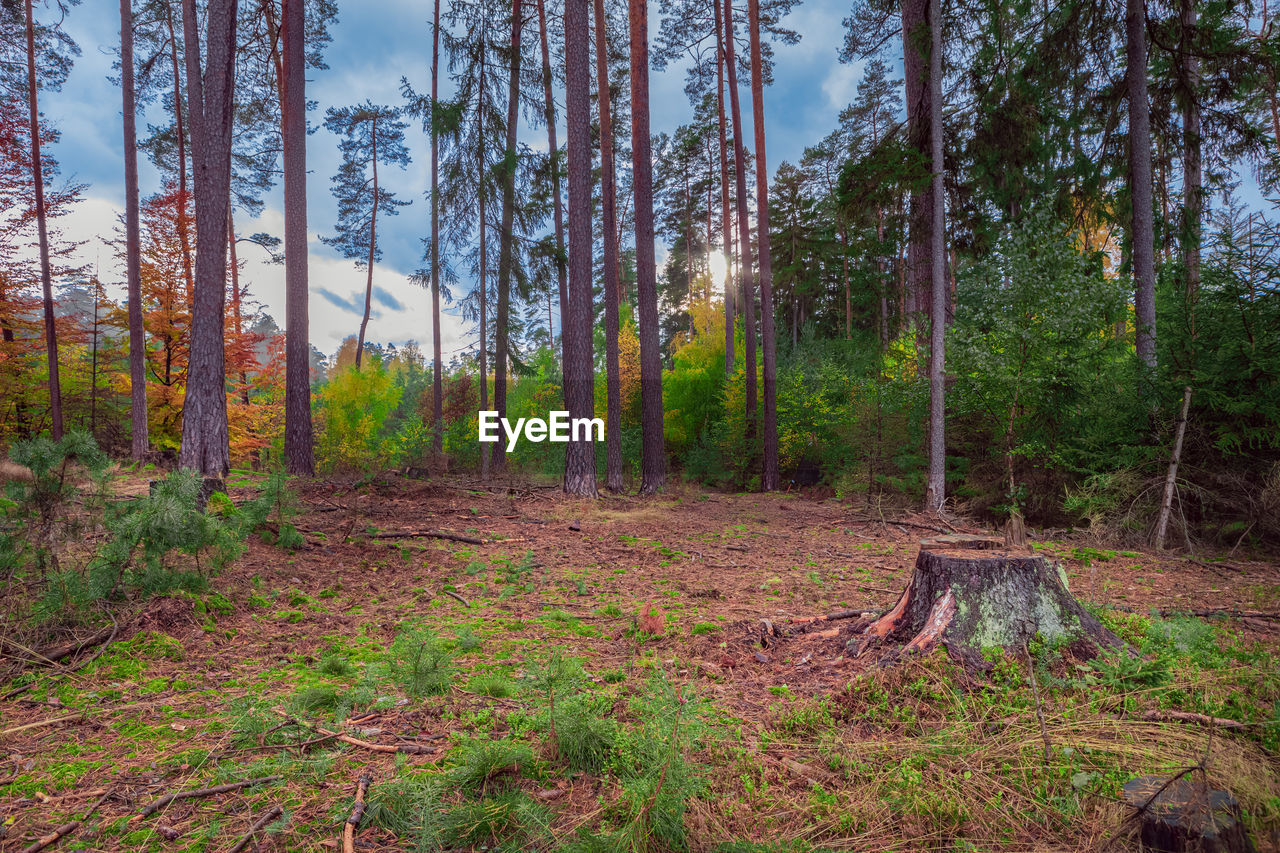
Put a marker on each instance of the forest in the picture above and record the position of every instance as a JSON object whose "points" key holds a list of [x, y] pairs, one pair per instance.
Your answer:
{"points": [[935, 500]]}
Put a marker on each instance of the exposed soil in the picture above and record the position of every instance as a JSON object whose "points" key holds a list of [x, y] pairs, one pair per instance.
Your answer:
{"points": [[693, 558]]}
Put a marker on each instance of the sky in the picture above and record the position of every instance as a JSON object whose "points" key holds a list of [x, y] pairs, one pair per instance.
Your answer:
{"points": [[369, 54]]}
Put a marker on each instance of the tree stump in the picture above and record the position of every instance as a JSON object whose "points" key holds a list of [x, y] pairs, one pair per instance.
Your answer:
{"points": [[1185, 815], [971, 593]]}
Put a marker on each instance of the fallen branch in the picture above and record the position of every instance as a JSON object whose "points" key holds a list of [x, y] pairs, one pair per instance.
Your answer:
{"points": [[831, 617], [357, 812], [453, 594], [57, 653], [66, 829], [1189, 717], [201, 792], [428, 534], [52, 721], [406, 748], [272, 813]]}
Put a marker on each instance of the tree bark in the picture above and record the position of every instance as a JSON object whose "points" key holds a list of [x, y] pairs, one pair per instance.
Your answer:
{"points": [[769, 473], [1142, 230], [437, 372], [299, 439], [133, 243], [205, 445], [46, 275], [970, 594], [579, 378], [373, 243], [730, 359], [554, 153], [915, 59], [744, 223], [653, 466], [506, 246], [935, 492], [608, 228]]}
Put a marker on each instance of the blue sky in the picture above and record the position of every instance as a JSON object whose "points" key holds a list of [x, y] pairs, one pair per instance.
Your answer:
{"points": [[370, 52]]}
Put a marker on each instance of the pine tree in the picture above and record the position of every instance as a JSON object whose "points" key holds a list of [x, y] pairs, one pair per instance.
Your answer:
{"points": [[370, 135], [579, 386]]}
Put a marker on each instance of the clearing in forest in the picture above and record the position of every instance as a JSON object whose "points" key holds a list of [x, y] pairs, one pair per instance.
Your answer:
{"points": [[505, 667]]}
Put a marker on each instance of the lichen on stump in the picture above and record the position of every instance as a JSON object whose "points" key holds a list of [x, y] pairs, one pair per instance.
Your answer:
{"points": [[969, 593]]}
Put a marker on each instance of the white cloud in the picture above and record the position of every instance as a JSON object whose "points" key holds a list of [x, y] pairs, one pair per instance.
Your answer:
{"points": [[329, 324]]}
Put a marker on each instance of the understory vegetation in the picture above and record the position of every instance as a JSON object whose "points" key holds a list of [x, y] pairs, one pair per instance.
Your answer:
{"points": [[71, 541], [517, 743]]}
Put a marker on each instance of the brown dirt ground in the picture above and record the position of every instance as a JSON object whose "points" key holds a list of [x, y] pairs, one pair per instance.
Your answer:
{"points": [[692, 556]]}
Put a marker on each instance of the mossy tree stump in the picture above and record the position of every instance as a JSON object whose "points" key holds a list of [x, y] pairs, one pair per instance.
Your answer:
{"points": [[970, 593], [1185, 815]]}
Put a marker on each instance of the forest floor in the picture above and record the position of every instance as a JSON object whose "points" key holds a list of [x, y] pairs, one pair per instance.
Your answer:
{"points": [[688, 710]]}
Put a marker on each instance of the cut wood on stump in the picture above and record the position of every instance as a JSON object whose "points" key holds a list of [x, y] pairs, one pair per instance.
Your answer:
{"points": [[1185, 815], [970, 593]]}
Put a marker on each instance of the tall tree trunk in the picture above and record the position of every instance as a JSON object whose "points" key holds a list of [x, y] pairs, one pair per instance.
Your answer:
{"points": [[725, 217], [133, 243], [915, 57], [373, 250], [936, 490], [653, 467], [204, 415], [579, 378], [506, 246], [769, 473], [744, 222], [237, 320], [46, 275], [483, 219], [608, 228], [554, 153], [437, 372], [184, 231], [1192, 205], [1142, 231], [299, 457]]}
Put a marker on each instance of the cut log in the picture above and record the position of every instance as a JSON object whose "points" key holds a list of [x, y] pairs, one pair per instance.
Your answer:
{"points": [[971, 593], [1186, 815]]}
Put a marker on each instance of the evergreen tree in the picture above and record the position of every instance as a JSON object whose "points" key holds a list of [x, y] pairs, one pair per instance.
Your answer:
{"points": [[369, 135]]}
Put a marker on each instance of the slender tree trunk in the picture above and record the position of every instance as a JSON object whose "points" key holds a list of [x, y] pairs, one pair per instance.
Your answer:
{"points": [[299, 455], [237, 321], [744, 222], [506, 246], [608, 228], [204, 415], [437, 373], [373, 247], [654, 461], [769, 474], [184, 231], [935, 493], [579, 378], [46, 275], [483, 219], [725, 219], [554, 153], [133, 243], [1192, 205], [1142, 231]]}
